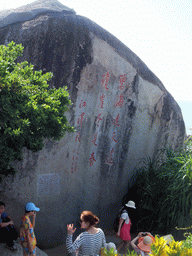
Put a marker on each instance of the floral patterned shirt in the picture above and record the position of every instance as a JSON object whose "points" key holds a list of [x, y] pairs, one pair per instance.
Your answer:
{"points": [[27, 235]]}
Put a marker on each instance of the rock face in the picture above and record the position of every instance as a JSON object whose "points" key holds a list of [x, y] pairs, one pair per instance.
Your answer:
{"points": [[121, 110], [30, 11]]}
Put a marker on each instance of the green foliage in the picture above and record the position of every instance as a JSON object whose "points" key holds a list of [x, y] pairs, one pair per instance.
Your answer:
{"points": [[110, 252], [187, 243], [163, 189], [29, 110], [113, 252]]}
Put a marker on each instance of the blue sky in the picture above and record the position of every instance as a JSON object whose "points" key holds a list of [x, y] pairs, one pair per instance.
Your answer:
{"points": [[158, 31]]}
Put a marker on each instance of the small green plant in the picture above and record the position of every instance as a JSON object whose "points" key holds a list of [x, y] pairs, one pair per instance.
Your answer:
{"points": [[187, 243], [29, 110], [112, 252]]}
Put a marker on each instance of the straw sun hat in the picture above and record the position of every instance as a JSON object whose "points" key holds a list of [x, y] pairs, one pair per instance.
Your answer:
{"points": [[144, 245]]}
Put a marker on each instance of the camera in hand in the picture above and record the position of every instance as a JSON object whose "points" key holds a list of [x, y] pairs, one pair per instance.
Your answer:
{"points": [[144, 234]]}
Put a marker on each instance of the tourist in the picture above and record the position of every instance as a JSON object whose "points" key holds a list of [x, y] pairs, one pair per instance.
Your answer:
{"points": [[8, 232], [89, 242], [27, 235], [141, 243], [125, 225]]}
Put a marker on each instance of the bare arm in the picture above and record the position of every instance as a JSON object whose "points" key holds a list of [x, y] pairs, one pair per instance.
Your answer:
{"points": [[120, 225], [5, 224], [133, 242], [33, 221]]}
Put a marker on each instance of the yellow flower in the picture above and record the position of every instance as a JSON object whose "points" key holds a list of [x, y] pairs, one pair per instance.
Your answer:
{"points": [[158, 247], [175, 249]]}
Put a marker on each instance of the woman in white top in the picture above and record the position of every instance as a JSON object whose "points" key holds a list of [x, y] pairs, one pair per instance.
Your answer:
{"points": [[125, 225], [89, 242]]}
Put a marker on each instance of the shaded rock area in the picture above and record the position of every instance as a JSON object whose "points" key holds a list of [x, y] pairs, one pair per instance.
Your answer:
{"points": [[121, 112]]}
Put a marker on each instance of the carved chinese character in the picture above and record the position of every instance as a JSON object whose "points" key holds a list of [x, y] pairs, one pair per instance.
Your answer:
{"points": [[80, 119], [98, 119], [105, 80], [122, 80], [119, 101], [109, 159], [74, 161], [92, 159], [116, 120], [94, 139], [102, 100], [82, 104], [113, 137]]}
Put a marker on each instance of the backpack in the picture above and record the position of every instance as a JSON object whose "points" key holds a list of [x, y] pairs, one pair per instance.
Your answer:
{"points": [[116, 221]]}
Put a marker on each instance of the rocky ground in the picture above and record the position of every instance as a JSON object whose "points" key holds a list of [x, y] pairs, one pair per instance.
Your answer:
{"points": [[62, 251], [6, 252]]}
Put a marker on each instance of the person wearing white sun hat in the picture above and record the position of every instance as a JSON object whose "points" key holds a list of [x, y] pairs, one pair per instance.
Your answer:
{"points": [[125, 225]]}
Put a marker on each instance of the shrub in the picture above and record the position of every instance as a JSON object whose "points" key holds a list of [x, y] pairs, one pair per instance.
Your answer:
{"points": [[163, 190]]}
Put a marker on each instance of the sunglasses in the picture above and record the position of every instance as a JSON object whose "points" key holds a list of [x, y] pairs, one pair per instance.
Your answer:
{"points": [[81, 221]]}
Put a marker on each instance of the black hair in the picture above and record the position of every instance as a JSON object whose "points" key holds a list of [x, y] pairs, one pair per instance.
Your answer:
{"points": [[27, 211], [2, 203]]}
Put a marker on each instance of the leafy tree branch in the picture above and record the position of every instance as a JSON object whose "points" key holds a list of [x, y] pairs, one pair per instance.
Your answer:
{"points": [[29, 110]]}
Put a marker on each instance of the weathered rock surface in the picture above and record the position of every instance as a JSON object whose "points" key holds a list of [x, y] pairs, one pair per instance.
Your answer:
{"points": [[121, 110], [32, 10]]}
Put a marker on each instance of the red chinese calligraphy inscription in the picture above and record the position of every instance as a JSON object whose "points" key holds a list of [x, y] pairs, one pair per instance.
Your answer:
{"points": [[119, 101], [80, 119], [98, 120], [74, 161], [94, 139], [109, 159], [114, 137], [122, 80], [102, 100], [92, 159], [82, 104], [116, 120], [105, 80]]}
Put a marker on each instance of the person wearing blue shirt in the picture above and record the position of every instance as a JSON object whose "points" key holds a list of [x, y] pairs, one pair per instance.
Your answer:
{"points": [[8, 232]]}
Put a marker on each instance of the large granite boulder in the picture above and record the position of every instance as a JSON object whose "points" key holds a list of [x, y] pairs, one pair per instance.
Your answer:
{"points": [[121, 110]]}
